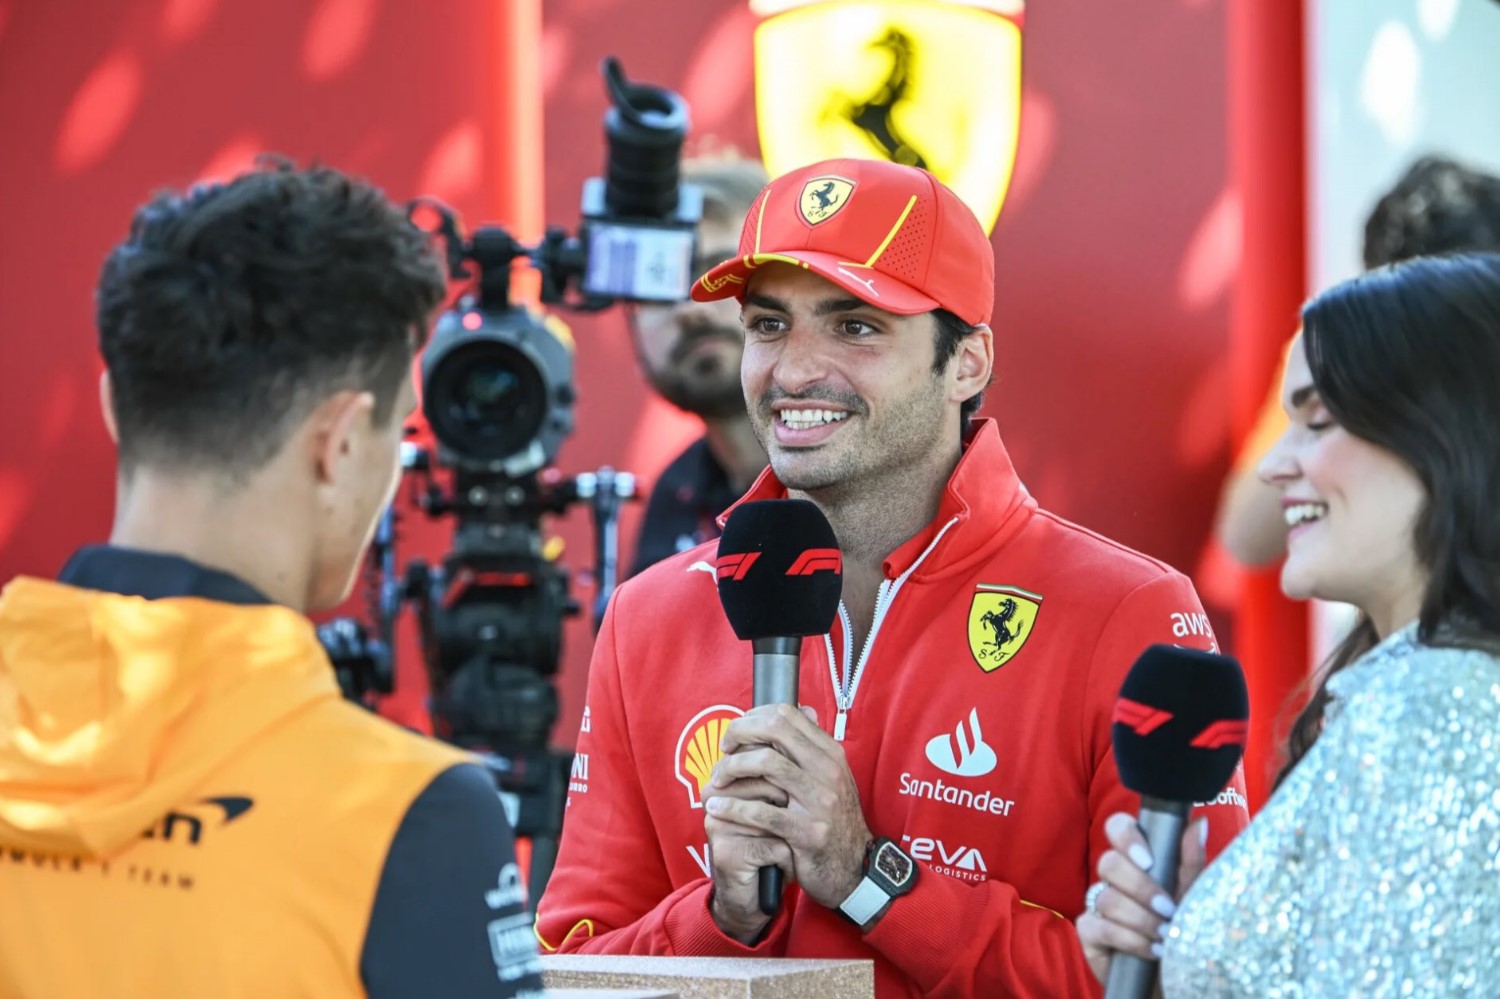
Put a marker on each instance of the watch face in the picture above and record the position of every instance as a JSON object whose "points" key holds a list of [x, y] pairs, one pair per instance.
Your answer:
{"points": [[894, 866]]}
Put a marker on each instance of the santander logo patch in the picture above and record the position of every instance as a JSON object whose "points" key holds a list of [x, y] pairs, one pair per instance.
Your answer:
{"points": [[964, 753]]}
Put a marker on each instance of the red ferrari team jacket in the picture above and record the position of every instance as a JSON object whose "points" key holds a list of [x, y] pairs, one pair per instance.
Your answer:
{"points": [[977, 729]]}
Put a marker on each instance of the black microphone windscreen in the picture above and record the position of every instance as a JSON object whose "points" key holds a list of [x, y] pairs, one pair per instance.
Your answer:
{"points": [[1180, 723], [780, 571]]}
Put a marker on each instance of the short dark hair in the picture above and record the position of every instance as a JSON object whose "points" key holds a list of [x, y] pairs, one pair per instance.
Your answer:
{"points": [[1406, 358], [730, 184], [951, 332], [1438, 206], [233, 309]]}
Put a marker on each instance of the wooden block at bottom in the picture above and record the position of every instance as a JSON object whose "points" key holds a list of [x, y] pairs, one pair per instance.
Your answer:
{"points": [[608, 994], [713, 977]]}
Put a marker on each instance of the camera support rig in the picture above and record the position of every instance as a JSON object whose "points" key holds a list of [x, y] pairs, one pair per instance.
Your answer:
{"points": [[498, 394]]}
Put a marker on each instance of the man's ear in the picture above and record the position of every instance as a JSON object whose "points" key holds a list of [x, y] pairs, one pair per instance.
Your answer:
{"points": [[975, 363], [107, 407], [335, 430]]}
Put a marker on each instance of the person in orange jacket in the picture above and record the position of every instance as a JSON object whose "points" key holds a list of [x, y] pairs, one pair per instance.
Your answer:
{"points": [[940, 808], [187, 805]]}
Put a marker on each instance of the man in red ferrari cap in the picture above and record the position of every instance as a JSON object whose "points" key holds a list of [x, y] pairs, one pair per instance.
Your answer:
{"points": [[938, 805]]}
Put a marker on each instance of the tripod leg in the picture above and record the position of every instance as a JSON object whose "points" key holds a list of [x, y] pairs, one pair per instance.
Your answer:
{"points": [[543, 859]]}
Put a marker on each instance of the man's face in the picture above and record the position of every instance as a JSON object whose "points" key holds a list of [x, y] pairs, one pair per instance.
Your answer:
{"points": [[690, 352], [365, 488], [841, 394]]}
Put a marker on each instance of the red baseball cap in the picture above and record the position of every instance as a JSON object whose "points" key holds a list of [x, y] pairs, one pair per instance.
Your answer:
{"points": [[891, 235]]}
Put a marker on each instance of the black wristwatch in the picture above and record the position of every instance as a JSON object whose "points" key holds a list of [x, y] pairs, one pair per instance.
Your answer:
{"points": [[889, 873]]}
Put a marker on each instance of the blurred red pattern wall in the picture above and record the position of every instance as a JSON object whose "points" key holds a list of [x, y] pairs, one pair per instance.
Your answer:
{"points": [[1117, 248]]}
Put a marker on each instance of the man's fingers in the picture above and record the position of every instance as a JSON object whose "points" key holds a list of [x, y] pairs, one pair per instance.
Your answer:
{"points": [[739, 850], [761, 762], [753, 789], [758, 816], [786, 729]]}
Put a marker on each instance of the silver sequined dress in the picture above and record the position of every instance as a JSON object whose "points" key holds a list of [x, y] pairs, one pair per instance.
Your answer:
{"points": [[1375, 868]]}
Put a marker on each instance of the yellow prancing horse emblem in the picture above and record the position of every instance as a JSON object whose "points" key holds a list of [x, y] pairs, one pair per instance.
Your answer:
{"points": [[823, 198], [1001, 619]]}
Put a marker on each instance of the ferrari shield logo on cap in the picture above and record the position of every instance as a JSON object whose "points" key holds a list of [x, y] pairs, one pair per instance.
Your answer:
{"points": [[823, 197], [1001, 619], [935, 85]]}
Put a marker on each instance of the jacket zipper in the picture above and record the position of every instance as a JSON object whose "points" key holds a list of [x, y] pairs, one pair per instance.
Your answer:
{"points": [[847, 685]]}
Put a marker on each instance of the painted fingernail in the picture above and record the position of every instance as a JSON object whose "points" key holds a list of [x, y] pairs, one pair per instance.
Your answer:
{"points": [[1141, 856], [1164, 906], [1157, 951]]}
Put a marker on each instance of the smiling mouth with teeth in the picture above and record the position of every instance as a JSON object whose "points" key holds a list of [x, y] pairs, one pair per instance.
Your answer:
{"points": [[1304, 513], [806, 419]]}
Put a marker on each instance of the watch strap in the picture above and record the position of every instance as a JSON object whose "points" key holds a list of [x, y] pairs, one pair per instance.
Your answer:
{"points": [[865, 903]]}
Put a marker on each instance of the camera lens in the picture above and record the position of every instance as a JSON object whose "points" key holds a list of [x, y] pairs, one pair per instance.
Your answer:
{"points": [[486, 400]]}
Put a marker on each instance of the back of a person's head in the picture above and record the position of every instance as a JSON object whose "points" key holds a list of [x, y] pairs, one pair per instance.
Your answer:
{"points": [[231, 310], [1438, 206], [1408, 357], [730, 184]]}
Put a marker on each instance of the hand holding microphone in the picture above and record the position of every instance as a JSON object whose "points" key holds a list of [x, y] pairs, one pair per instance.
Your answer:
{"points": [[1178, 733], [780, 579]]}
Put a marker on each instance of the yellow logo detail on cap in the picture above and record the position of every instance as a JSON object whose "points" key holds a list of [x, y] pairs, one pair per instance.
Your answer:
{"points": [[1001, 619], [824, 197], [712, 287], [698, 748]]}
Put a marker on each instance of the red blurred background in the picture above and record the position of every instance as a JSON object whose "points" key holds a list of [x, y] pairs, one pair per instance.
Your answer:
{"points": [[1118, 250]]}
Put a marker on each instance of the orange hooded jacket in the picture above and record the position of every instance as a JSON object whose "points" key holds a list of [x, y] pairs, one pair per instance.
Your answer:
{"points": [[189, 808]]}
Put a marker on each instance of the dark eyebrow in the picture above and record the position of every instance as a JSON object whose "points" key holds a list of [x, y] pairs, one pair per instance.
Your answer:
{"points": [[827, 307], [765, 302], [1300, 396]]}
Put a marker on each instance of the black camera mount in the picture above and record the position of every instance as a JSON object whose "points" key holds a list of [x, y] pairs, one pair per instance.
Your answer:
{"points": [[499, 394]]}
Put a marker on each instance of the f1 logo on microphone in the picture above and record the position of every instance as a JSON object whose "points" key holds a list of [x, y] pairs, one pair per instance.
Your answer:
{"points": [[735, 566], [1222, 733], [817, 560], [1142, 719]]}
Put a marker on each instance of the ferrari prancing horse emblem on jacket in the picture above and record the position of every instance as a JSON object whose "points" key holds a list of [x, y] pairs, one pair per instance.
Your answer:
{"points": [[1001, 619]]}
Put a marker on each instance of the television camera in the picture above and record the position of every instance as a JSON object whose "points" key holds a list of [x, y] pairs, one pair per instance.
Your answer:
{"points": [[498, 393]]}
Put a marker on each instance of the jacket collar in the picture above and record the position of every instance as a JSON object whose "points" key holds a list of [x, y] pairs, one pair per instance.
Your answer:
{"points": [[983, 495], [154, 576]]}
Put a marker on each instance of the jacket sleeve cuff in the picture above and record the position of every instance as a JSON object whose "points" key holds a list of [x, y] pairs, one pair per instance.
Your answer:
{"points": [[693, 933]]}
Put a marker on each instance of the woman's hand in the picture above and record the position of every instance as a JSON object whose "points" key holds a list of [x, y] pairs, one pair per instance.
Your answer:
{"points": [[1129, 913]]}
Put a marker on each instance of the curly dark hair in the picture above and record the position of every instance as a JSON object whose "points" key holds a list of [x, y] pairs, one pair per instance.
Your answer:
{"points": [[1438, 206], [231, 310]]}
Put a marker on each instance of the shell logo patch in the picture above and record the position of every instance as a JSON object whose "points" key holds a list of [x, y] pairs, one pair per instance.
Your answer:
{"points": [[698, 748]]}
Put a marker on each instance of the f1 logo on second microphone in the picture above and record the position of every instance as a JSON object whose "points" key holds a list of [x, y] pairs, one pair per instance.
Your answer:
{"points": [[1143, 719], [817, 560]]}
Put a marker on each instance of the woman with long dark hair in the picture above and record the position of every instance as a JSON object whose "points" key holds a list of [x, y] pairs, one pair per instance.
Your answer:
{"points": [[1374, 868]]}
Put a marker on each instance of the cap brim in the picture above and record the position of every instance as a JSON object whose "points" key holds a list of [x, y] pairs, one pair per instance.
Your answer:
{"points": [[732, 277]]}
